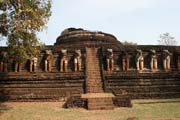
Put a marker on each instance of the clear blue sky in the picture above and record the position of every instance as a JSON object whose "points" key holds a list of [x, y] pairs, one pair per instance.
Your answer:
{"points": [[140, 21]]}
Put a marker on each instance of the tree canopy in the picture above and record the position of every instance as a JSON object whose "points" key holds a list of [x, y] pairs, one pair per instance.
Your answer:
{"points": [[129, 43], [20, 20], [167, 39]]}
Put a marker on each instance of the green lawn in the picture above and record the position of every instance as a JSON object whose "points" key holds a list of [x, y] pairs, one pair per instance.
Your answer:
{"points": [[142, 109]]}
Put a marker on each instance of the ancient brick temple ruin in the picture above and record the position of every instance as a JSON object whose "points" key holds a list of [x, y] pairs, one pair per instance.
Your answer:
{"points": [[92, 70]]}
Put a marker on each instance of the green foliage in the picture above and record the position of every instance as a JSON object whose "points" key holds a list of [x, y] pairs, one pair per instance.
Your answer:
{"points": [[167, 39], [20, 20], [129, 43]]}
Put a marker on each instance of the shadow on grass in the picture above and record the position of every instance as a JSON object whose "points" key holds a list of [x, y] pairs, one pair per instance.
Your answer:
{"points": [[160, 101], [4, 108]]}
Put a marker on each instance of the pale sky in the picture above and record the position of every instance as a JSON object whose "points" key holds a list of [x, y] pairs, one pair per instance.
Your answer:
{"points": [[140, 21]]}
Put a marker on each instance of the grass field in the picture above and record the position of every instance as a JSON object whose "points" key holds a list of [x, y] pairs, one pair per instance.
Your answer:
{"points": [[142, 110]]}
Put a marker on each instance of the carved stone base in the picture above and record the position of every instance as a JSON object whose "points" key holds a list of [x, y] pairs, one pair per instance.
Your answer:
{"points": [[99, 101]]}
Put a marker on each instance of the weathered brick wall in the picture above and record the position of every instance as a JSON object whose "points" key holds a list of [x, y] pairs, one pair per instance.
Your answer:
{"points": [[178, 62], [41, 86], [144, 85]]}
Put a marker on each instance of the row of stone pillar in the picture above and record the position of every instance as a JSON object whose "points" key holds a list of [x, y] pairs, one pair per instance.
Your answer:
{"points": [[63, 61], [78, 61], [47, 62], [139, 60]]}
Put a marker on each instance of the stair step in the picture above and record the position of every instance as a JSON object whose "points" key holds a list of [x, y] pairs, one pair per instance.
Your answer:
{"points": [[99, 101], [93, 80]]}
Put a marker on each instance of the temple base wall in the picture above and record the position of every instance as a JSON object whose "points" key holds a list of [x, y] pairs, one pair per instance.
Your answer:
{"points": [[41, 87], [144, 85]]}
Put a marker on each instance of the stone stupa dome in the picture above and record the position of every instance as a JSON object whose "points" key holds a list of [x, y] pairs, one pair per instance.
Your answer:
{"points": [[73, 37]]}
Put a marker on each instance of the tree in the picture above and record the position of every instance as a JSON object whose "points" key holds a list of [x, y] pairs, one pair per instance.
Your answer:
{"points": [[167, 39], [129, 43], [20, 20]]}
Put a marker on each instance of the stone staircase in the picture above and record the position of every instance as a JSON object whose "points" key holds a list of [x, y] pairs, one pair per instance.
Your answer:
{"points": [[95, 96], [93, 83]]}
